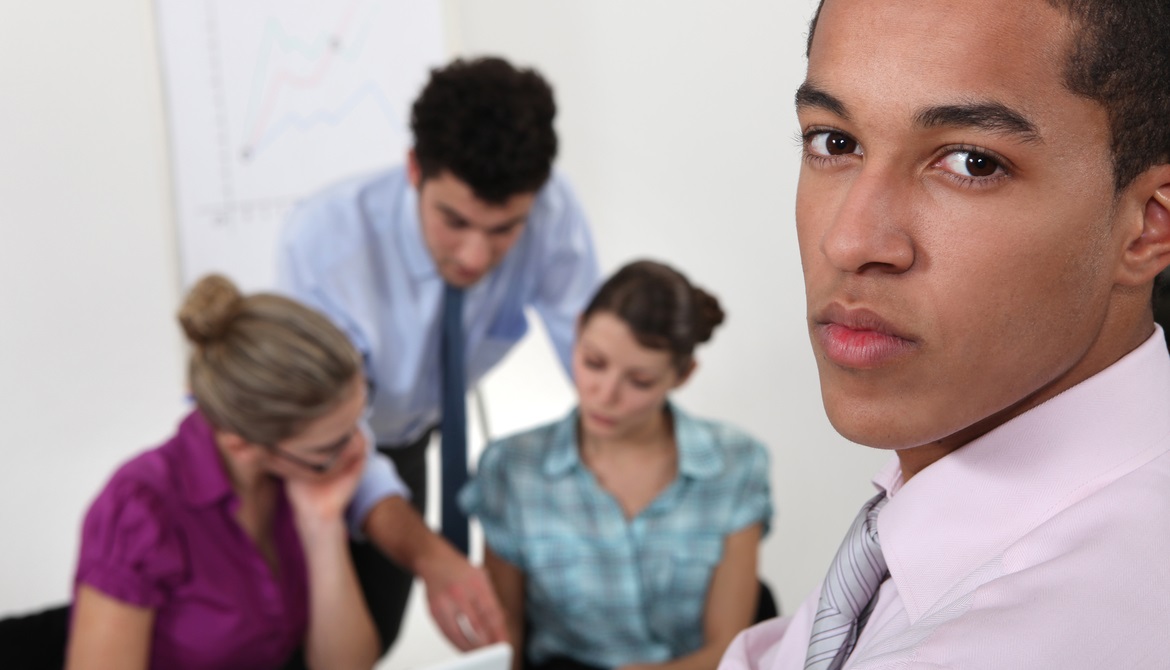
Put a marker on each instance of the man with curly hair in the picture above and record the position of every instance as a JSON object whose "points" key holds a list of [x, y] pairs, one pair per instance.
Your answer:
{"points": [[982, 211], [472, 230]]}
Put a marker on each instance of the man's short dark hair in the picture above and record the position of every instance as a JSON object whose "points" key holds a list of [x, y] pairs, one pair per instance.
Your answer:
{"points": [[1120, 59], [487, 123]]}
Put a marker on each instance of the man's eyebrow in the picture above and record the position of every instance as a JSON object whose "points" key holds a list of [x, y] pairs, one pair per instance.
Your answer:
{"points": [[451, 213], [809, 95], [992, 117], [497, 228], [501, 228]]}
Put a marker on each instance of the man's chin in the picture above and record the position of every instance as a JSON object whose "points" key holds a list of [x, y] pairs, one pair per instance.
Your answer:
{"points": [[461, 279], [876, 432]]}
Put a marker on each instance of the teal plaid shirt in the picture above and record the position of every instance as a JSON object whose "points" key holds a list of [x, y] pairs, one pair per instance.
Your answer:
{"points": [[599, 588]]}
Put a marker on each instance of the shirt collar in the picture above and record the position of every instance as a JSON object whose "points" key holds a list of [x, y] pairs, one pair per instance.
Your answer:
{"points": [[562, 457], [698, 452], [409, 230], [965, 509], [203, 481]]}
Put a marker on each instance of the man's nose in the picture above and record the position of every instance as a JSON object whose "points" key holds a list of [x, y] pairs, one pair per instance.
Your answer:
{"points": [[870, 229], [475, 253]]}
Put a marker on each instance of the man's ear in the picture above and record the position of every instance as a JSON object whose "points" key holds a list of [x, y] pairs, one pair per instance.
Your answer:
{"points": [[413, 171], [1149, 252]]}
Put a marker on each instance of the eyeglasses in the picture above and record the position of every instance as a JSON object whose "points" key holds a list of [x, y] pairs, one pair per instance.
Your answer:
{"points": [[335, 450]]}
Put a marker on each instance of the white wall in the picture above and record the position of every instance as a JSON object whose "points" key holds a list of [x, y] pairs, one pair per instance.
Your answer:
{"points": [[677, 130], [90, 358]]}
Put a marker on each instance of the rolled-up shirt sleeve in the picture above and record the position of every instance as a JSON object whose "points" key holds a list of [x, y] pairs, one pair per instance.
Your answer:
{"points": [[753, 494], [379, 481], [300, 275]]}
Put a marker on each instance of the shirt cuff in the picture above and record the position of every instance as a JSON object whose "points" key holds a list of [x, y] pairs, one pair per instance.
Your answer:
{"points": [[379, 481]]}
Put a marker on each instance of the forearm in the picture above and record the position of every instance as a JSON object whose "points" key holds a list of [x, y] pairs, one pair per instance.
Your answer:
{"points": [[509, 584], [458, 594], [516, 637], [341, 632], [399, 532]]}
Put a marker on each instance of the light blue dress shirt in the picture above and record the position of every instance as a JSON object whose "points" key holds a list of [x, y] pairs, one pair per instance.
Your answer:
{"points": [[600, 588], [356, 252]]}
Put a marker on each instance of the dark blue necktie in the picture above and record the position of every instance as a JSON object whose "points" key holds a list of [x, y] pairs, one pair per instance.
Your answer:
{"points": [[454, 423]]}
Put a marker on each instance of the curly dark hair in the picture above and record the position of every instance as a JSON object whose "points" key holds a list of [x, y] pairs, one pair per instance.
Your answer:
{"points": [[1120, 58], [489, 124]]}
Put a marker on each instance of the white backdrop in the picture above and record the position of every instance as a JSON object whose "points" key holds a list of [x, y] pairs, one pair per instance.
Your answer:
{"points": [[677, 130]]}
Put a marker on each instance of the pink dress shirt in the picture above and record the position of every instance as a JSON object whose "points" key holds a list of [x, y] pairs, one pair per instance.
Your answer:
{"points": [[163, 535], [1043, 544]]}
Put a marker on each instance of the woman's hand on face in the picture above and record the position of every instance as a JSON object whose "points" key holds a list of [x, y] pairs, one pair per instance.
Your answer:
{"points": [[324, 497]]}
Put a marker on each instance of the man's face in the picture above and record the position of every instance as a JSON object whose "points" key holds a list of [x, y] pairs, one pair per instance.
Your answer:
{"points": [[466, 236], [955, 213]]}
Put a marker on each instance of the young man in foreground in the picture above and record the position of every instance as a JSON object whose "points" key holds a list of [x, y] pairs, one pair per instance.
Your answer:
{"points": [[982, 210]]}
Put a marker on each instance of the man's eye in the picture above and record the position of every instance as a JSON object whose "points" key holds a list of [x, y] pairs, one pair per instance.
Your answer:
{"points": [[594, 364], [832, 143], [971, 164]]}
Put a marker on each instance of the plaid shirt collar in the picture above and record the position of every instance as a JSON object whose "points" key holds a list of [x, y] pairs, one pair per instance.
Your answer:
{"points": [[698, 453]]}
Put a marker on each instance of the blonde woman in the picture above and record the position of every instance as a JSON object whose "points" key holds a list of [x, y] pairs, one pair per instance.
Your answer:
{"points": [[226, 546]]}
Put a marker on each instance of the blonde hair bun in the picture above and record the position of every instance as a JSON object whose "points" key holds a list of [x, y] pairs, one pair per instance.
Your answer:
{"points": [[209, 309]]}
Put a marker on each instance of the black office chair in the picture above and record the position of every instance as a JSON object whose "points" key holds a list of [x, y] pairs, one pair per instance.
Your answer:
{"points": [[35, 641], [766, 605]]}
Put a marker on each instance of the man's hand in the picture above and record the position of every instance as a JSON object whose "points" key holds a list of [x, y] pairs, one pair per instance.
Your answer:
{"points": [[462, 602], [460, 596]]}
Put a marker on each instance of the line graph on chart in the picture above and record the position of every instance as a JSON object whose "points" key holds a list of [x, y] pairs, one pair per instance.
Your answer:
{"points": [[269, 100]]}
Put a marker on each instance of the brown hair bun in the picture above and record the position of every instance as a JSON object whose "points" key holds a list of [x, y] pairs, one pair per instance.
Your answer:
{"points": [[209, 309], [708, 315], [661, 306]]}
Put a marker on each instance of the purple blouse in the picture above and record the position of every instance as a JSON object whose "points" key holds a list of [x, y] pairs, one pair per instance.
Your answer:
{"points": [[163, 535]]}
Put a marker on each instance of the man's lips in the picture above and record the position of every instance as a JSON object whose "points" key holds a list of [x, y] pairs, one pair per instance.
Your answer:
{"points": [[464, 273], [859, 338]]}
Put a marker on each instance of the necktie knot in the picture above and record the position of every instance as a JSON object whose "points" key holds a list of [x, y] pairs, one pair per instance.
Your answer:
{"points": [[872, 508]]}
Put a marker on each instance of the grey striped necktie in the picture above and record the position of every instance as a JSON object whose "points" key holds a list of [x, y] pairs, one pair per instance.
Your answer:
{"points": [[849, 592]]}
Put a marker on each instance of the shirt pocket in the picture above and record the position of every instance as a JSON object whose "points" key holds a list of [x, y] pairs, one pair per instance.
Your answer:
{"points": [[509, 324], [679, 581], [505, 331], [561, 579]]}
